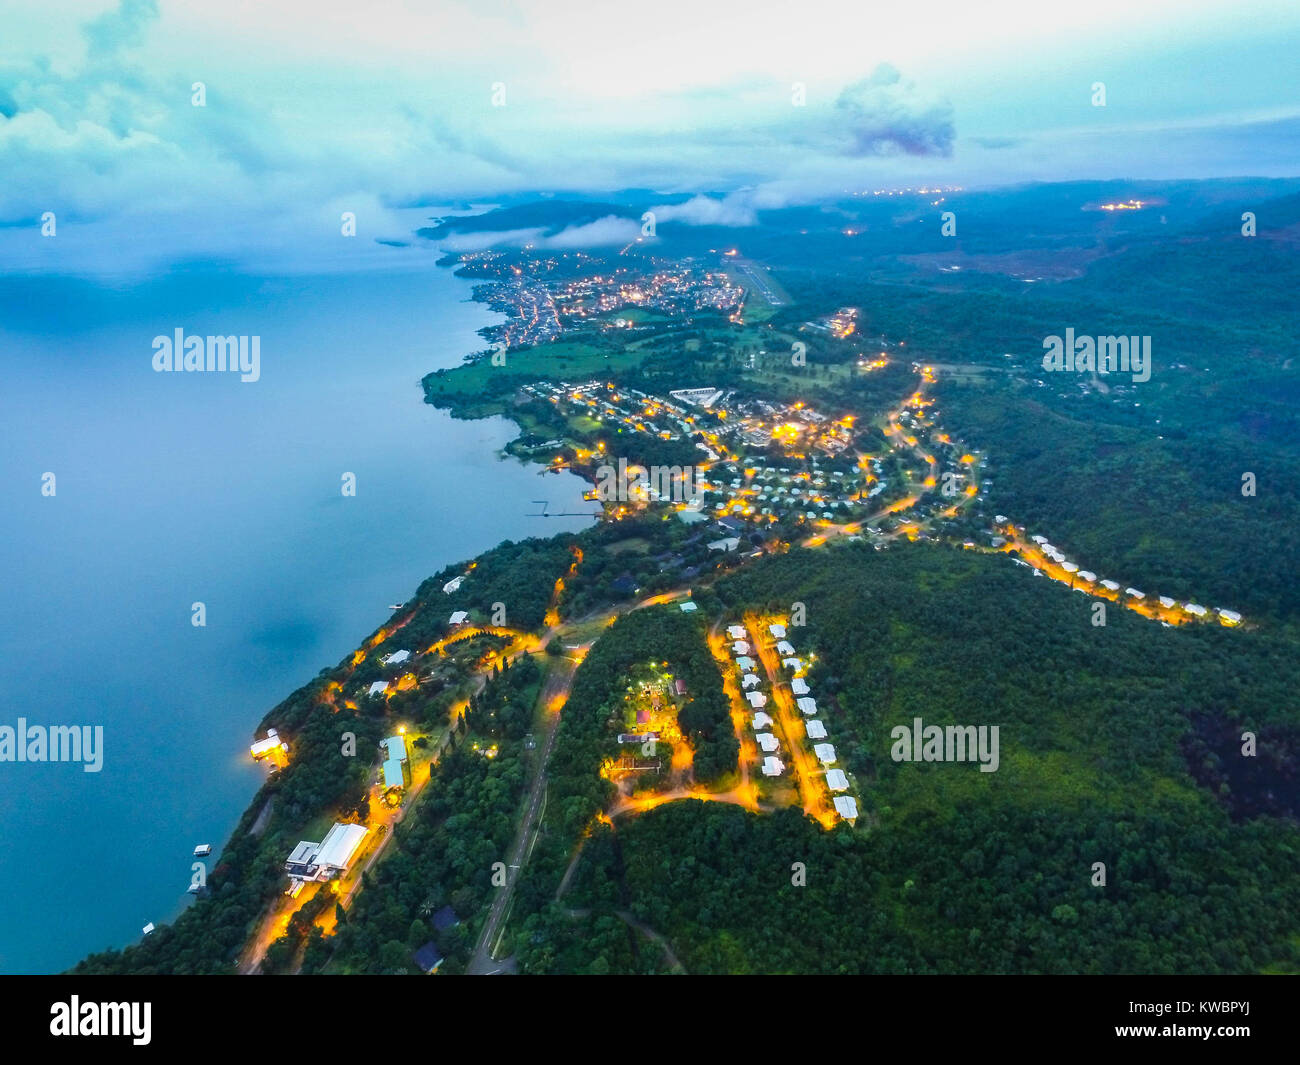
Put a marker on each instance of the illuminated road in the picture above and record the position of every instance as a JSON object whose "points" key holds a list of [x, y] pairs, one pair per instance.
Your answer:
{"points": [[807, 770]]}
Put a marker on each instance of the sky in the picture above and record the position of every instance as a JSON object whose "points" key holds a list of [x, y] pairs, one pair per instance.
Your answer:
{"points": [[314, 108]]}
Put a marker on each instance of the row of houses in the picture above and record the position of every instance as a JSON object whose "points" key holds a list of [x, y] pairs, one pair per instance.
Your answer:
{"points": [[751, 686], [1087, 578], [845, 805]]}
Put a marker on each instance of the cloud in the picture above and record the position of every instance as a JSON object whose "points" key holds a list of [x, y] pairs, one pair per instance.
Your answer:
{"points": [[603, 232], [998, 143], [886, 115], [735, 209]]}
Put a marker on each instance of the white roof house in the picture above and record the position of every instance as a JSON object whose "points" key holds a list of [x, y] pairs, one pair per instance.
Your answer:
{"points": [[745, 663], [756, 699], [825, 753], [736, 632], [1070, 567], [397, 658], [847, 807], [773, 766], [1228, 617], [740, 647], [799, 686], [1039, 539], [1134, 593], [836, 780], [816, 730], [339, 846], [1166, 602], [1110, 586], [452, 584], [378, 688], [807, 704], [459, 618], [1087, 575], [727, 543], [792, 664], [761, 720], [750, 680], [320, 861], [784, 648], [768, 742], [271, 742], [1195, 609], [777, 630]]}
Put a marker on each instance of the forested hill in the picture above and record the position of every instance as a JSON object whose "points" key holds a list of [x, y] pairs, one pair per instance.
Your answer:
{"points": [[1120, 744]]}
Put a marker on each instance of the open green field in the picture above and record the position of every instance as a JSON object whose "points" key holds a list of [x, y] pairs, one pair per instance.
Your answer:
{"points": [[575, 359]]}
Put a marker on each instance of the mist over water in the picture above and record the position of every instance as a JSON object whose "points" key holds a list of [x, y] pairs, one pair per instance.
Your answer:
{"points": [[175, 488]]}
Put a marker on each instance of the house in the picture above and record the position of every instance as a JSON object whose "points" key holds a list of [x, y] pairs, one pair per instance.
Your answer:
{"points": [[444, 919], [784, 648], [740, 647], [744, 663], [272, 743], [1087, 575], [1134, 593], [807, 705], [397, 658], [756, 699], [750, 680], [397, 767], [792, 664], [679, 686], [329, 857], [768, 742], [777, 631], [452, 584], [816, 730], [736, 632], [825, 753], [1195, 609], [377, 688], [1228, 617], [847, 807], [773, 766], [428, 958], [836, 780], [799, 686], [458, 618], [1110, 586], [687, 607], [727, 543], [1166, 602], [761, 720]]}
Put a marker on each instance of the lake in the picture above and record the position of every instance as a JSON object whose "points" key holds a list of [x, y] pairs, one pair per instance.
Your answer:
{"points": [[177, 488]]}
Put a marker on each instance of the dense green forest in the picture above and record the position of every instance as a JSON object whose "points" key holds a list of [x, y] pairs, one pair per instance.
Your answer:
{"points": [[951, 869]]}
